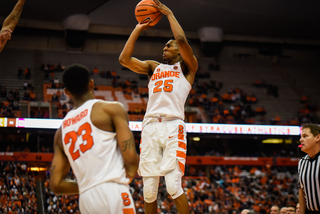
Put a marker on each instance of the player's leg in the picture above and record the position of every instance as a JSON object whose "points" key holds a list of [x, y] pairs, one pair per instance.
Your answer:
{"points": [[175, 155], [174, 188], [150, 193]]}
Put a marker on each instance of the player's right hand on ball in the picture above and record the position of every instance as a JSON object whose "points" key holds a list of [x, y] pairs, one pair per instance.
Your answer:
{"points": [[145, 25]]}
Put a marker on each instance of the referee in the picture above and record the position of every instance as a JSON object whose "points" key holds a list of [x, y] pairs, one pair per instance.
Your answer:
{"points": [[309, 170]]}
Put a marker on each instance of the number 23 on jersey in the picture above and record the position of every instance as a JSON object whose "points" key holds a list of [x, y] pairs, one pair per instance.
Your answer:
{"points": [[84, 131]]}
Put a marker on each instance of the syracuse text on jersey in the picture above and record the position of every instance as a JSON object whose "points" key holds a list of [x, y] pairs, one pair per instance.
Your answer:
{"points": [[75, 119]]}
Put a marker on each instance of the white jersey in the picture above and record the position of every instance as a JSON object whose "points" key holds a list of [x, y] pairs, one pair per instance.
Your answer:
{"points": [[93, 153], [168, 91]]}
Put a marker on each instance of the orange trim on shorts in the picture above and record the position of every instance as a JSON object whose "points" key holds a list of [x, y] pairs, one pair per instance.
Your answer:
{"points": [[180, 136], [128, 211], [181, 165], [182, 145], [181, 154]]}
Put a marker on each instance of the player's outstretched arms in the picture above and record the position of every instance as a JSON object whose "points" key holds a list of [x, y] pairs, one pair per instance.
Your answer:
{"points": [[179, 35], [126, 59]]}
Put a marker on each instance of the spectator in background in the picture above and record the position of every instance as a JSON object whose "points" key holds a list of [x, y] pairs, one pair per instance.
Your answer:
{"points": [[55, 98], [46, 72], [32, 96], [291, 209], [29, 86], [283, 210], [15, 105], [63, 96], [245, 211], [46, 114], [27, 73], [26, 96], [52, 68], [16, 95], [303, 99], [274, 210], [25, 85], [95, 71], [39, 113], [3, 92], [51, 74], [114, 74], [58, 94], [53, 85], [56, 81], [20, 73], [59, 67], [10, 23], [298, 208]]}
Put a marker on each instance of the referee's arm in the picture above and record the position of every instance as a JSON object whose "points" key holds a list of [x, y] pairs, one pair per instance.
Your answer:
{"points": [[302, 201]]}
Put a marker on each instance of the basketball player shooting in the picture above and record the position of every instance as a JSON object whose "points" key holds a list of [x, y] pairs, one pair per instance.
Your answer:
{"points": [[163, 139]]}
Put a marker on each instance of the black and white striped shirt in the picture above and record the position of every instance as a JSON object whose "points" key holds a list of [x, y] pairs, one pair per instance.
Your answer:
{"points": [[309, 180]]}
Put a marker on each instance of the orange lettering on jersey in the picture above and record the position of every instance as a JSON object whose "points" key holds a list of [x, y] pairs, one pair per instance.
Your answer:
{"points": [[164, 74], [167, 73], [75, 119]]}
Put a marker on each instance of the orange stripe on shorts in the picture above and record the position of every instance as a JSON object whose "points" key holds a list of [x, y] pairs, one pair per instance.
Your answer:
{"points": [[182, 145], [128, 211], [180, 136], [181, 165], [181, 154]]}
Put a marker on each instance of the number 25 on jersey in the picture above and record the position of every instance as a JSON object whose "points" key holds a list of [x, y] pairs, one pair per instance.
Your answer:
{"points": [[165, 85], [72, 137]]}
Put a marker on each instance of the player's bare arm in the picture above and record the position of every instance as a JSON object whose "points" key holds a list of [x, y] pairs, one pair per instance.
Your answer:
{"points": [[12, 20], [185, 49], [125, 138], [10, 23], [60, 168], [126, 59]]}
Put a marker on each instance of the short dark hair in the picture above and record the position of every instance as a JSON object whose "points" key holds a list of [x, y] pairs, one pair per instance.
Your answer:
{"points": [[314, 128], [76, 79]]}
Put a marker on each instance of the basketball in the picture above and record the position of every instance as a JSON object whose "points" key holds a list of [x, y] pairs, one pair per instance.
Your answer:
{"points": [[145, 10]]}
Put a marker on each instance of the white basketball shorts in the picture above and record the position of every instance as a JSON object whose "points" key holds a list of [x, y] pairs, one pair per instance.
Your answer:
{"points": [[163, 145], [108, 198]]}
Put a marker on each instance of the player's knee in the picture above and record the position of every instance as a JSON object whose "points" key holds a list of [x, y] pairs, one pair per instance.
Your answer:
{"points": [[174, 190], [171, 187], [174, 187], [150, 189]]}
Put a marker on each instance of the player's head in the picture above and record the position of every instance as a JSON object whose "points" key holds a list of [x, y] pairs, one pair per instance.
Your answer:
{"points": [[171, 51], [76, 79]]}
